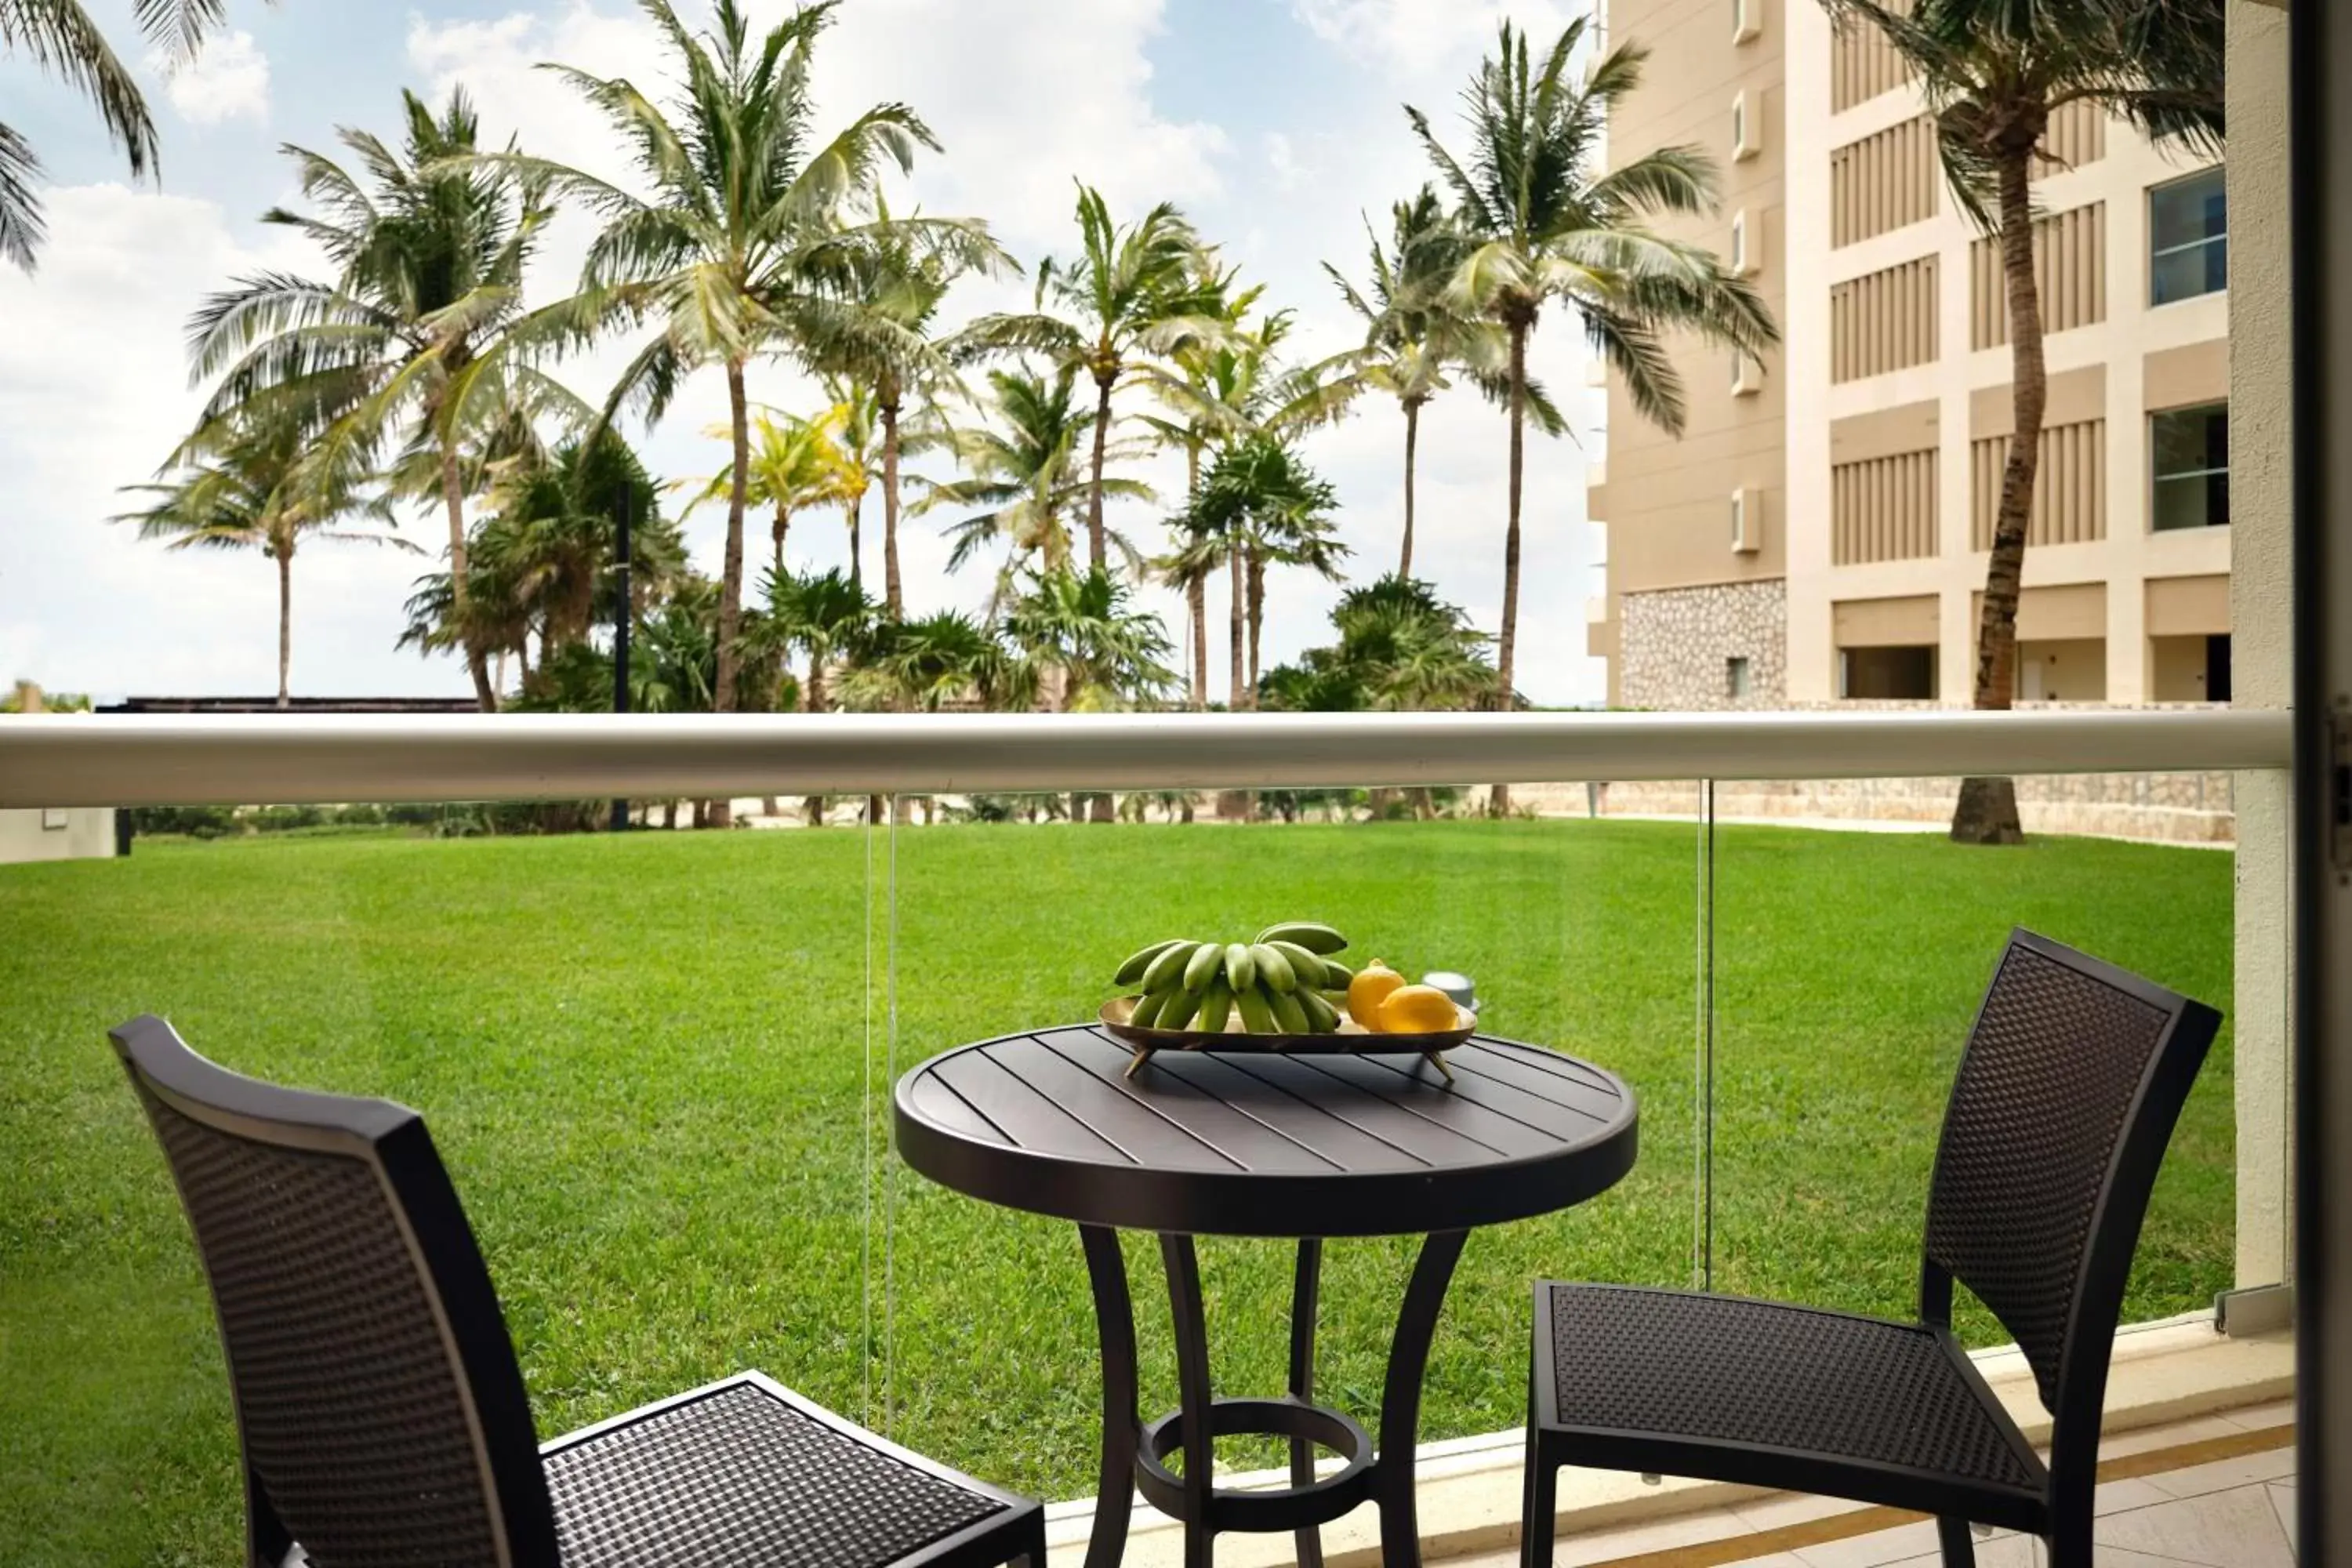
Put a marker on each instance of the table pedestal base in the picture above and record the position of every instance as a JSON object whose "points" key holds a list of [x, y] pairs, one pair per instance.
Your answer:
{"points": [[1135, 1455]]}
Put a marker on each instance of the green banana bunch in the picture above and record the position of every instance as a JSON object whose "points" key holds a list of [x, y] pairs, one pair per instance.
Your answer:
{"points": [[1275, 985]]}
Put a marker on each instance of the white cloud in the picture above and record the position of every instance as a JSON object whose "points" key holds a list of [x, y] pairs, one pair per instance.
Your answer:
{"points": [[1417, 37], [229, 79], [93, 397], [1025, 98]]}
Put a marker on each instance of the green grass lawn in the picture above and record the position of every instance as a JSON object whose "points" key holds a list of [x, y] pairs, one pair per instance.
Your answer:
{"points": [[654, 1065]]}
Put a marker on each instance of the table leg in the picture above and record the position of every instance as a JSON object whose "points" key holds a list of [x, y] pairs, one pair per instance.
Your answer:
{"points": [[1401, 1396], [1195, 1392], [1304, 1292], [1115, 1323]]}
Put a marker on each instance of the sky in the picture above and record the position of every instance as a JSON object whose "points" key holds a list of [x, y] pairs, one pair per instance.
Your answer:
{"points": [[1275, 125]]}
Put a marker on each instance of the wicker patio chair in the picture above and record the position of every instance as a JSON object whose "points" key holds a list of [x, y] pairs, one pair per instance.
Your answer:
{"points": [[2073, 1078], [382, 1414]]}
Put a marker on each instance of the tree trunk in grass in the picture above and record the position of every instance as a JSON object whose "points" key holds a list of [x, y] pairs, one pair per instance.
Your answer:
{"points": [[453, 499], [1506, 646], [856, 520], [893, 598], [719, 813], [1411, 440], [1986, 811], [285, 623], [1196, 593], [812, 700], [1096, 557], [1239, 698]]}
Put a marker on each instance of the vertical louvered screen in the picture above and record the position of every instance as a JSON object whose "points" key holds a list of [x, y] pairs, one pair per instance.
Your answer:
{"points": [[2070, 263], [2070, 487], [2077, 135], [1885, 321], [1863, 65], [1884, 508], [1884, 182]]}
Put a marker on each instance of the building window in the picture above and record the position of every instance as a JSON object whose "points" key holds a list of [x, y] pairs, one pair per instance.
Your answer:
{"points": [[1740, 266], [1737, 681], [2191, 453], [2189, 237], [1743, 141], [1888, 673]]}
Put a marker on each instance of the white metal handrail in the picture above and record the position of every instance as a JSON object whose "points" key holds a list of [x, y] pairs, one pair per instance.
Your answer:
{"points": [[83, 760]]}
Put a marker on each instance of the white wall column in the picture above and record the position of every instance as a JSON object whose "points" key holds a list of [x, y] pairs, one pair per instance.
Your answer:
{"points": [[2261, 514]]}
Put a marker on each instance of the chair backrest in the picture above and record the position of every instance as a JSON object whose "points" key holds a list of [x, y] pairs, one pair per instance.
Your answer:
{"points": [[2074, 1076], [381, 1413]]}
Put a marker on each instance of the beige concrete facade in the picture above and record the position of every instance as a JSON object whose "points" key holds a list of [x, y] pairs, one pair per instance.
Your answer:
{"points": [[1666, 505], [1874, 443]]}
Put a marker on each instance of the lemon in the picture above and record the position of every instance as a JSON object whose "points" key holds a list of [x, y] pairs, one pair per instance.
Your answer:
{"points": [[1415, 1010], [1369, 989]]}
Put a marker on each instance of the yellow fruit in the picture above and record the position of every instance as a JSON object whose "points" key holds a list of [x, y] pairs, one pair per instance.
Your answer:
{"points": [[1415, 1010], [1369, 989]]}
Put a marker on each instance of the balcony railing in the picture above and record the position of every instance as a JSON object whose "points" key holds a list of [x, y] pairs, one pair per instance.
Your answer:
{"points": [[143, 760]]}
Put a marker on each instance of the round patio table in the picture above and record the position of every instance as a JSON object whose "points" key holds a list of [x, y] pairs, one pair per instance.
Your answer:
{"points": [[1304, 1148]]}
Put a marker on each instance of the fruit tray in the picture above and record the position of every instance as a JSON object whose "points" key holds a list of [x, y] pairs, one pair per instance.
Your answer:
{"points": [[1350, 1038]]}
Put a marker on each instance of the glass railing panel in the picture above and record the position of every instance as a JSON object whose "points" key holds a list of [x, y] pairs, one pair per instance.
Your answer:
{"points": [[1012, 914], [639, 1056], [1853, 940]]}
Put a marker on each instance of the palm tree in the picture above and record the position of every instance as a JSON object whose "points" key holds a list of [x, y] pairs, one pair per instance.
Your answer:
{"points": [[1098, 653], [1993, 75], [1541, 221], [413, 339], [1025, 471], [1264, 507], [62, 40], [855, 417], [878, 334], [825, 616], [556, 531], [1130, 294], [1188, 388], [829, 618], [1238, 391], [1414, 330], [248, 482], [926, 665], [735, 252], [795, 465]]}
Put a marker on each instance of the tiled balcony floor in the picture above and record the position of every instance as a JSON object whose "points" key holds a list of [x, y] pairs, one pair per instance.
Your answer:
{"points": [[2216, 1492]]}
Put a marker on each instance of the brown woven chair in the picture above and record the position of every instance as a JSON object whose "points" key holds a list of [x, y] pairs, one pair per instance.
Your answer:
{"points": [[2073, 1079], [382, 1414]]}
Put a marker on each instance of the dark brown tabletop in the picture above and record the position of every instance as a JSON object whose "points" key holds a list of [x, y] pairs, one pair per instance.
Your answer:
{"points": [[1235, 1144]]}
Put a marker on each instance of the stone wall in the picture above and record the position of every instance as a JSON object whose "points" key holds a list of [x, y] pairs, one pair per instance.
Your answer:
{"points": [[1675, 645], [2170, 808]]}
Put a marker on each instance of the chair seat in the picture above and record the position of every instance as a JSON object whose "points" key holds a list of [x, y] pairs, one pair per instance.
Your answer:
{"points": [[744, 1474], [1730, 1389]]}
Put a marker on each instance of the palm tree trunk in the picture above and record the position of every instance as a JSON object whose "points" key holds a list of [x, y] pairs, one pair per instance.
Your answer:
{"points": [[856, 520], [1986, 810], [719, 813], [812, 700], [1196, 593], [285, 623], [1095, 556], [1196, 603], [1412, 441], [1507, 648], [892, 600], [1257, 613], [453, 498], [1239, 698], [782, 525]]}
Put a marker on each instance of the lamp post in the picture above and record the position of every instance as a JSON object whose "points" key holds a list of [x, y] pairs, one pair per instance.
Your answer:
{"points": [[624, 613]]}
